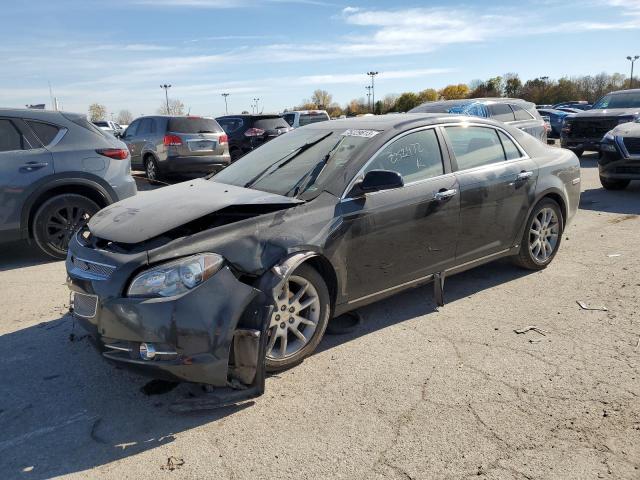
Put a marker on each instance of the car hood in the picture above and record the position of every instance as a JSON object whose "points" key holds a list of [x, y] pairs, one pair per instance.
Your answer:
{"points": [[607, 112], [153, 213], [631, 129]]}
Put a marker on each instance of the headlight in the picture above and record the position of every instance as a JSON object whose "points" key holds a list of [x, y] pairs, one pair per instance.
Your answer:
{"points": [[608, 143], [175, 277]]}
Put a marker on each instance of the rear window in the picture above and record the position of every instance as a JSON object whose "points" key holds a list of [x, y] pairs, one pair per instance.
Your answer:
{"points": [[193, 125], [270, 123], [308, 118], [101, 124], [230, 125], [521, 113], [84, 123], [44, 131]]}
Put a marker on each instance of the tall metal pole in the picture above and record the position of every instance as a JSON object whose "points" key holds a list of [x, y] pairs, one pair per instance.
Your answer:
{"points": [[368, 87], [226, 110], [166, 95], [256, 102], [632, 60], [373, 90]]}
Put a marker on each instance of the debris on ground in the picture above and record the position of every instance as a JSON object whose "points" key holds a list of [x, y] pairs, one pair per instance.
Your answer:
{"points": [[584, 306], [531, 328], [344, 324], [173, 463], [611, 255]]}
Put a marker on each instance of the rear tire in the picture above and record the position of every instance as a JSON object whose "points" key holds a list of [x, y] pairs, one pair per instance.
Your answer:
{"points": [[542, 236], [152, 171], [290, 309], [58, 219], [611, 184]]}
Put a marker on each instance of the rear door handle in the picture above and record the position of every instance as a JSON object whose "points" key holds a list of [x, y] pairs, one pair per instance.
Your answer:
{"points": [[31, 166], [444, 194], [523, 176]]}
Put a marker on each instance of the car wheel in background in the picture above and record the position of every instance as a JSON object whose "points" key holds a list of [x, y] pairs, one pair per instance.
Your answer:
{"points": [[151, 170], [58, 219], [299, 319], [611, 184], [578, 151], [542, 236]]}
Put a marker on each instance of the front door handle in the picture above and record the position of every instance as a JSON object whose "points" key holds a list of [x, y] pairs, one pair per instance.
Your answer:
{"points": [[31, 166], [444, 194], [523, 176]]}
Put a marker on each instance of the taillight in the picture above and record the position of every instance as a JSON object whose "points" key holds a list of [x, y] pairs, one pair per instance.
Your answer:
{"points": [[254, 132], [172, 141], [223, 138], [115, 153]]}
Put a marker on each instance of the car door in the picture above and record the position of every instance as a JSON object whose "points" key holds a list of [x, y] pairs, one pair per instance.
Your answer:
{"points": [[497, 187], [23, 162], [400, 235], [133, 144]]}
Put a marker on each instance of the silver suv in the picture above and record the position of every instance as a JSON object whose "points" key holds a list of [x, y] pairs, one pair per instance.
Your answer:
{"points": [[164, 145], [56, 170]]}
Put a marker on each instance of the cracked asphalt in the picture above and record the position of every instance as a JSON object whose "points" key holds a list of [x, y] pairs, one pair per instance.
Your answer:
{"points": [[414, 393]]}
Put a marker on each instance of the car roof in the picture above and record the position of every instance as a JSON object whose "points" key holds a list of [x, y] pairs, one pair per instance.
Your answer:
{"points": [[36, 113], [306, 111], [394, 121], [252, 115]]}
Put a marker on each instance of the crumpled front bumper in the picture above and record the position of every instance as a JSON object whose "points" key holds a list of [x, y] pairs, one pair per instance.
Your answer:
{"points": [[202, 327]]}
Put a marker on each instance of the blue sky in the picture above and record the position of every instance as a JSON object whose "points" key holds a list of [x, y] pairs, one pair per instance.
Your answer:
{"points": [[118, 52]]}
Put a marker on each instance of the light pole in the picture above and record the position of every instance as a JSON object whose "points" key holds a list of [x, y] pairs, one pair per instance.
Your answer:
{"points": [[632, 60], [373, 90], [256, 100], [166, 95], [226, 110], [368, 87]]}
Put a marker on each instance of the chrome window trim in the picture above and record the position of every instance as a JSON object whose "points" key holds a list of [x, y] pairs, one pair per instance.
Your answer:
{"points": [[465, 123]]}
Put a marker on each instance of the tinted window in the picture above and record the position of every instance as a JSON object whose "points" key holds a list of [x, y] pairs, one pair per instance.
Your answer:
{"points": [[132, 129], [230, 125], [44, 131], [193, 125], [101, 124], [270, 123], [415, 156], [475, 146], [308, 118], [289, 118], [10, 137], [84, 123], [510, 149], [146, 126], [501, 112], [521, 113]]}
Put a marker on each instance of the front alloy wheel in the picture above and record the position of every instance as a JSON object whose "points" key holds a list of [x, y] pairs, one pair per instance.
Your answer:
{"points": [[299, 319], [542, 236]]}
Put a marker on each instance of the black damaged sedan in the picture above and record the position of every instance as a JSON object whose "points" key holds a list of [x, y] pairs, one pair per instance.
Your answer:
{"points": [[215, 280]]}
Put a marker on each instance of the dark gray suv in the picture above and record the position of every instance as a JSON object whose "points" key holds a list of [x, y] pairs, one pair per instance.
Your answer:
{"points": [[164, 145], [56, 170]]}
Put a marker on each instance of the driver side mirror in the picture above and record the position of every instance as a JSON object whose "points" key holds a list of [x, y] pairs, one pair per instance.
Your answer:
{"points": [[375, 181]]}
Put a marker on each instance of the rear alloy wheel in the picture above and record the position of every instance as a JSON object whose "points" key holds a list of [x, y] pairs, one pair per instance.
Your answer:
{"points": [[542, 236], [58, 219], [151, 170], [299, 319], [611, 184]]}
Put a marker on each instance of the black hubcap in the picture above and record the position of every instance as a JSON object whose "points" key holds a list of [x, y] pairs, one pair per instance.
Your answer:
{"points": [[62, 223]]}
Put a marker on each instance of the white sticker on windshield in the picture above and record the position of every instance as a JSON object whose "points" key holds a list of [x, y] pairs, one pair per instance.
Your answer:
{"points": [[360, 133]]}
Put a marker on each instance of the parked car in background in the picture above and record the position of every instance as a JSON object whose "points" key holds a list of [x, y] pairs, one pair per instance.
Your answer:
{"points": [[165, 145], [247, 132], [223, 276], [569, 109], [577, 104], [111, 127], [556, 117], [300, 118], [619, 162], [512, 111], [585, 130], [56, 170]]}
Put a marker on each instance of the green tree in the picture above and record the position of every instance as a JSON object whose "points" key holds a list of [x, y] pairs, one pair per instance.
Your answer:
{"points": [[97, 112], [407, 101], [512, 85], [454, 92]]}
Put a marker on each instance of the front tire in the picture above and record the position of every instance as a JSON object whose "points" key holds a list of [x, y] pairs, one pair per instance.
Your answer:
{"points": [[299, 319], [58, 219], [542, 236], [611, 184], [152, 171]]}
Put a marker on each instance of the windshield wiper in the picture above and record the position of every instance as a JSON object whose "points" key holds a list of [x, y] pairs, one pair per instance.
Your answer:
{"points": [[206, 131], [285, 160]]}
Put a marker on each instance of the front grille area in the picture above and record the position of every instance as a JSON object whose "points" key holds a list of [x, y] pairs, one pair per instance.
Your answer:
{"points": [[98, 269], [84, 305], [632, 144], [592, 128]]}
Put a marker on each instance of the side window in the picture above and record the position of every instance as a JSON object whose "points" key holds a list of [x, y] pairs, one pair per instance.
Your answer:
{"points": [[11, 138], [44, 131], [132, 129], [521, 113], [510, 149], [415, 156], [501, 112], [152, 125], [145, 127], [289, 118], [475, 146]]}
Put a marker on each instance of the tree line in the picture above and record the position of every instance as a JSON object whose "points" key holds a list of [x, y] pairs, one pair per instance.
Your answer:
{"points": [[540, 90]]}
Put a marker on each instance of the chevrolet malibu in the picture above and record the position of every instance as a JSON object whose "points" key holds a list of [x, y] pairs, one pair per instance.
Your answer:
{"points": [[216, 280]]}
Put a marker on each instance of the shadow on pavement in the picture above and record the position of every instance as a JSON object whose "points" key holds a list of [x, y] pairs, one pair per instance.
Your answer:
{"points": [[21, 254]]}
